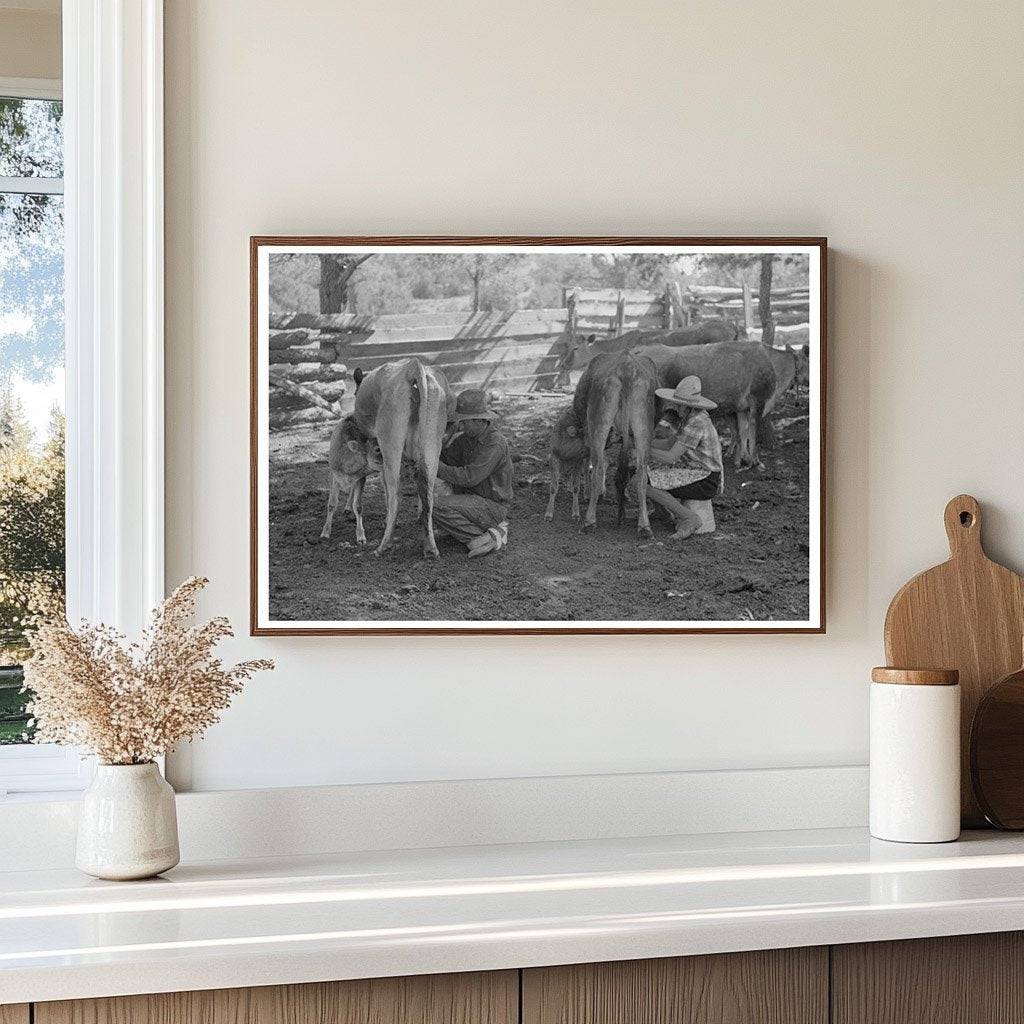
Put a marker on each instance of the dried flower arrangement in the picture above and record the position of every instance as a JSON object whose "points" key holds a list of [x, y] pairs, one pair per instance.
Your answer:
{"points": [[129, 703]]}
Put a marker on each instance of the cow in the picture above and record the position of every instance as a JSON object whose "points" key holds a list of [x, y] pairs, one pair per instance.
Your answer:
{"points": [[707, 332], [569, 457], [404, 406], [349, 462], [791, 366], [738, 375], [617, 389]]}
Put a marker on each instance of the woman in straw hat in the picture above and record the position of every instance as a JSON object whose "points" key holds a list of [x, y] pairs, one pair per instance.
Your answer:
{"points": [[478, 467], [687, 464]]}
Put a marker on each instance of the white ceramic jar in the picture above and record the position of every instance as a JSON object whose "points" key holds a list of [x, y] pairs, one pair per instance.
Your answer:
{"points": [[127, 824], [915, 755]]}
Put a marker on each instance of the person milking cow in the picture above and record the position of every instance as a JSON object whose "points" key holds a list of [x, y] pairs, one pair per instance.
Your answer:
{"points": [[686, 455], [477, 466]]}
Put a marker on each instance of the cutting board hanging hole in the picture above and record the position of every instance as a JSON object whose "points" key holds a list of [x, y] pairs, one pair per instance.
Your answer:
{"points": [[963, 525]]}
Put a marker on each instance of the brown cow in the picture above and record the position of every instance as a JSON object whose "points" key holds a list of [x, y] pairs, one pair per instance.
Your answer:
{"points": [[707, 332], [569, 457], [404, 406], [738, 375], [617, 389], [791, 365]]}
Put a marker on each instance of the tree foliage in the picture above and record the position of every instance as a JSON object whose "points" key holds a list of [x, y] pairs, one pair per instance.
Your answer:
{"points": [[507, 281], [32, 550]]}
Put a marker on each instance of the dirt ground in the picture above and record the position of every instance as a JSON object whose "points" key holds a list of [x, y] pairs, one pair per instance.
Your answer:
{"points": [[754, 567]]}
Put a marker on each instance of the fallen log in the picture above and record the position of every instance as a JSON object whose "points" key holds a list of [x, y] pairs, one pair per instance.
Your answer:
{"points": [[299, 391], [329, 390], [296, 417], [286, 339], [320, 354], [301, 372]]}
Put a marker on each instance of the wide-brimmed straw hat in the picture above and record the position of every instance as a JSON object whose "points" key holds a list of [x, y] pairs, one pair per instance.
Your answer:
{"points": [[686, 392], [472, 405]]}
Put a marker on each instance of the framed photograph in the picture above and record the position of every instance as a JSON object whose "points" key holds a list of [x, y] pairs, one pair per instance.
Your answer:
{"points": [[537, 435]]}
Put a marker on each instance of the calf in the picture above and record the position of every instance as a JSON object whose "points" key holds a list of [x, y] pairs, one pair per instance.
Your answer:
{"points": [[568, 457], [405, 406], [738, 375], [349, 464], [617, 389]]}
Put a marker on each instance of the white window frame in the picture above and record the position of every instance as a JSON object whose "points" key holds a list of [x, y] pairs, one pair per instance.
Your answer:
{"points": [[114, 325]]}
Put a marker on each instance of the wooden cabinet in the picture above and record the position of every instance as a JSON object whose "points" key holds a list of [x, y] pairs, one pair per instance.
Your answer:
{"points": [[777, 986], [490, 998], [963, 979], [970, 979]]}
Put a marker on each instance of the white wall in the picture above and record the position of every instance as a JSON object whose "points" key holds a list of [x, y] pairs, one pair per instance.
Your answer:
{"points": [[895, 129]]}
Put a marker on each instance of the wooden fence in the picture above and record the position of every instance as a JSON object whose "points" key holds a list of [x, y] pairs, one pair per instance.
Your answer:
{"points": [[789, 305], [311, 354]]}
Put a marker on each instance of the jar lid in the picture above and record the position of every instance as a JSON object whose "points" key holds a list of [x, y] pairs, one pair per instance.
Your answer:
{"points": [[916, 676]]}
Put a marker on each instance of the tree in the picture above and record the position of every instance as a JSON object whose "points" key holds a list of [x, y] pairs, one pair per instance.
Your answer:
{"points": [[637, 269], [336, 270], [764, 301], [31, 145], [484, 267], [32, 552]]}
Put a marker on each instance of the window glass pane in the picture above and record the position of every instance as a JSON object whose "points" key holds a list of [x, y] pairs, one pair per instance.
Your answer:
{"points": [[31, 138], [31, 432]]}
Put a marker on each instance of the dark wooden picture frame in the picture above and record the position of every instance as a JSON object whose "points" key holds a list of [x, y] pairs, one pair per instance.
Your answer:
{"points": [[816, 622]]}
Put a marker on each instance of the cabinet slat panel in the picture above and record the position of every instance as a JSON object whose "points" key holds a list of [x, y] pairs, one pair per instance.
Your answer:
{"points": [[779, 986], [479, 998], [14, 1013], [961, 979]]}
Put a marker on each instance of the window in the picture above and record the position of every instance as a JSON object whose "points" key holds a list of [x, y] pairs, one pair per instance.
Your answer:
{"points": [[107, 142], [32, 486]]}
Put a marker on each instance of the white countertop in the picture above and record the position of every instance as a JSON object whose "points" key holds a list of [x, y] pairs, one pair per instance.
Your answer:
{"points": [[262, 922]]}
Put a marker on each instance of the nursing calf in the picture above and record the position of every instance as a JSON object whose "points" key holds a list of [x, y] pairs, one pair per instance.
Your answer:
{"points": [[569, 457], [737, 375], [349, 463], [617, 389]]}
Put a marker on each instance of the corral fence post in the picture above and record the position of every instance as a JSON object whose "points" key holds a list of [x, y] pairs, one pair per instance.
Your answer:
{"points": [[620, 315], [569, 357], [680, 310], [666, 307], [748, 309]]}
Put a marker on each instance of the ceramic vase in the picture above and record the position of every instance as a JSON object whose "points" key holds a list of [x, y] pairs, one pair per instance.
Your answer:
{"points": [[127, 825]]}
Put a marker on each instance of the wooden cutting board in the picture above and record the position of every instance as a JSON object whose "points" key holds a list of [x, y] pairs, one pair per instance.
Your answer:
{"points": [[967, 614]]}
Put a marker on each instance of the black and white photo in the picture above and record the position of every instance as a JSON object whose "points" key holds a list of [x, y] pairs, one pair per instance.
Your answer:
{"points": [[537, 435]]}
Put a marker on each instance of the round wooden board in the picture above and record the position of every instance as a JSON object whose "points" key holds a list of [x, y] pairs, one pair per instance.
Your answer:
{"points": [[997, 752]]}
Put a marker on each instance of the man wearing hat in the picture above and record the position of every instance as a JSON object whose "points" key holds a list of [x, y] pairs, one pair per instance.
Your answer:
{"points": [[687, 464], [478, 466]]}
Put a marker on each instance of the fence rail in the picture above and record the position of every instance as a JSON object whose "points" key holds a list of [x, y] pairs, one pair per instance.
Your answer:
{"points": [[310, 354]]}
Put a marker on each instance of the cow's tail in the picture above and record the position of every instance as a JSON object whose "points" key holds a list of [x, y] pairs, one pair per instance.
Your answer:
{"points": [[417, 390]]}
